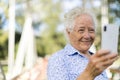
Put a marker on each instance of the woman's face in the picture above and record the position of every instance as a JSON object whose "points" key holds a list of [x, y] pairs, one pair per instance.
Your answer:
{"points": [[83, 33]]}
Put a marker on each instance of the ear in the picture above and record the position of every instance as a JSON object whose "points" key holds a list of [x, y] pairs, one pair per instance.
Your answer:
{"points": [[68, 31]]}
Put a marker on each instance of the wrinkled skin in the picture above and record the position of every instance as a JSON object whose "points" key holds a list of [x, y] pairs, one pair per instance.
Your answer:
{"points": [[82, 37], [100, 61], [83, 34]]}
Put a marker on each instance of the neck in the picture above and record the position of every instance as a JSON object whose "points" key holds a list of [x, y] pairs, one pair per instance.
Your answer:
{"points": [[85, 53]]}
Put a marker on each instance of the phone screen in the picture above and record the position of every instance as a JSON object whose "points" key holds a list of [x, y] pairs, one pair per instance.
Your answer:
{"points": [[110, 35]]}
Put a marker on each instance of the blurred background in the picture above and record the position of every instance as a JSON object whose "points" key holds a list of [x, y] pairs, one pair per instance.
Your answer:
{"points": [[32, 30]]}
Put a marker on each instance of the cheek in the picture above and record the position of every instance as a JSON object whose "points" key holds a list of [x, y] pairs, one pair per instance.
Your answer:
{"points": [[77, 37], [74, 38], [93, 36]]}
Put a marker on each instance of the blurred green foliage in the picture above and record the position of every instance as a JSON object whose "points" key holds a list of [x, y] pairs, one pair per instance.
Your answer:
{"points": [[3, 44], [47, 12]]}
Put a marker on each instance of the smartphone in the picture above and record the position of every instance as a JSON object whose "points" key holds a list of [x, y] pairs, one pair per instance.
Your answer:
{"points": [[110, 34]]}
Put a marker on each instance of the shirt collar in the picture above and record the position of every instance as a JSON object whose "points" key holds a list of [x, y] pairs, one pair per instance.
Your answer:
{"points": [[70, 50]]}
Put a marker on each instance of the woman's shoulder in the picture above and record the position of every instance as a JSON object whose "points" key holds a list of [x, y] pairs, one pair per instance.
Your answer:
{"points": [[57, 56]]}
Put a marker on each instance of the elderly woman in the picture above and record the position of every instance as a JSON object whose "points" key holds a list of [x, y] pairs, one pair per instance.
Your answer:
{"points": [[75, 61]]}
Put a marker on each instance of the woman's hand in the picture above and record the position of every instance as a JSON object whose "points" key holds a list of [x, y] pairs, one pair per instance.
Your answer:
{"points": [[100, 61]]}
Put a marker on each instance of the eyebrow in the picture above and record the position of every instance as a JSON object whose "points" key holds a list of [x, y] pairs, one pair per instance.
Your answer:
{"points": [[80, 27]]}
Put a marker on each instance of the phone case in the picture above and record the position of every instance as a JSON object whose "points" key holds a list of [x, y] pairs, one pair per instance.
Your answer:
{"points": [[110, 34]]}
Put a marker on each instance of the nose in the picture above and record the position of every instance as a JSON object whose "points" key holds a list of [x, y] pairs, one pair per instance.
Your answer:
{"points": [[87, 35]]}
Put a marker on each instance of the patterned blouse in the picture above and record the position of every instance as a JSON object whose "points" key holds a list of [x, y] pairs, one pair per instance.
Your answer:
{"points": [[68, 64]]}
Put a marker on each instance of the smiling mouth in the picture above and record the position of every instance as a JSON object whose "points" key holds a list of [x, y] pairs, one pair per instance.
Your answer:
{"points": [[86, 41]]}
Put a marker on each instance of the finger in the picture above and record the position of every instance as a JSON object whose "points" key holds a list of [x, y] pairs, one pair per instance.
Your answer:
{"points": [[113, 56], [109, 62], [102, 53], [107, 56]]}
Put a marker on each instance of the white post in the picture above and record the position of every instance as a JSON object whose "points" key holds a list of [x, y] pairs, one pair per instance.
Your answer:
{"points": [[26, 49], [21, 50], [30, 57], [104, 12], [11, 39]]}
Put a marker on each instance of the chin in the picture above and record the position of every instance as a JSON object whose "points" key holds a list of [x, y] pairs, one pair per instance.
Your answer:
{"points": [[86, 48]]}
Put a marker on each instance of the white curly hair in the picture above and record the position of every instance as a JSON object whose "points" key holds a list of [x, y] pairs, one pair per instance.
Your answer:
{"points": [[70, 16]]}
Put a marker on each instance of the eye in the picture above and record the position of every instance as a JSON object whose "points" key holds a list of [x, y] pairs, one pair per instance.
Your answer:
{"points": [[81, 30], [91, 30]]}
